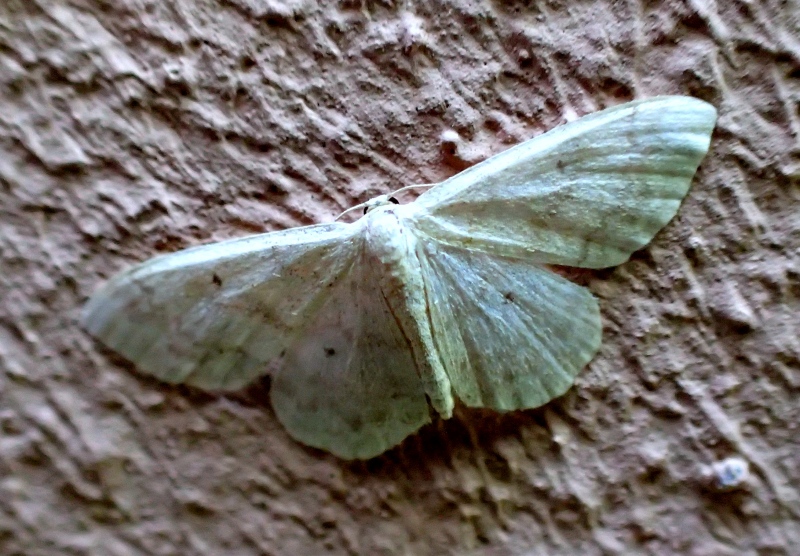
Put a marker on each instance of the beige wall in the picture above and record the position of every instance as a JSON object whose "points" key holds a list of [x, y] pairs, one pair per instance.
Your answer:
{"points": [[130, 128]]}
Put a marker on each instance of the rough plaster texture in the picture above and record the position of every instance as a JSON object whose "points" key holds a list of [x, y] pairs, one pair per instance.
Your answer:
{"points": [[134, 127]]}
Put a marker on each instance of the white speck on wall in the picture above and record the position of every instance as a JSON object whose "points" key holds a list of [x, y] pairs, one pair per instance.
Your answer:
{"points": [[730, 473]]}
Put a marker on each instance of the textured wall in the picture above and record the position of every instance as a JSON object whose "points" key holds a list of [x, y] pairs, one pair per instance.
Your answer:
{"points": [[135, 127]]}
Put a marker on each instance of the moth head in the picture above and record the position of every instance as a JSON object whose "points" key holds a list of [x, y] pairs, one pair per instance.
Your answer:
{"points": [[379, 201]]}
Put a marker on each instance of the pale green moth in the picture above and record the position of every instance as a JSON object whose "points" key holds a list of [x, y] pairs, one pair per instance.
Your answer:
{"points": [[368, 326]]}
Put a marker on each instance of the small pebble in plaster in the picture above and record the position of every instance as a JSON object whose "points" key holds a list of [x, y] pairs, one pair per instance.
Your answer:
{"points": [[457, 153], [450, 140]]}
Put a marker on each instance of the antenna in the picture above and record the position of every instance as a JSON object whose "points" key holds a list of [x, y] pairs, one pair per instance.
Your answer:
{"points": [[392, 194]]}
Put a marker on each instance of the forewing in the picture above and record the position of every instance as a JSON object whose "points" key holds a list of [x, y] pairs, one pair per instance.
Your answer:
{"points": [[511, 335], [350, 384], [214, 316], [588, 193]]}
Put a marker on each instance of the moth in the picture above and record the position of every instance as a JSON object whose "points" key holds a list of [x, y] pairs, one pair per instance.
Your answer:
{"points": [[369, 328]]}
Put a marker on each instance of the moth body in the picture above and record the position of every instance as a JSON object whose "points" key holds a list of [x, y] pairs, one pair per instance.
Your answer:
{"points": [[392, 246]]}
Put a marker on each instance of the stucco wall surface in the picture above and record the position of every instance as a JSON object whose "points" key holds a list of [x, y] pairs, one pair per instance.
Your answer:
{"points": [[130, 128]]}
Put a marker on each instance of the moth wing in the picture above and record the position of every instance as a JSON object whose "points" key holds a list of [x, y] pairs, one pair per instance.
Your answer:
{"points": [[511, 335], [588, 193], [214, 316], [349, 384]]}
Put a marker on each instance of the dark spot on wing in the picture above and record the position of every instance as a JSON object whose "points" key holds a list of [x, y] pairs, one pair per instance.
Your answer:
{"points": [[216, 279], [393, 200], [330, 352], [560, 165], [356, 423], [510, 297]]}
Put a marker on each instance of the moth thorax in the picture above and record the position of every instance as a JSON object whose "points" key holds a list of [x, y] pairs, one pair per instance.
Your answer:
{"points": [[389, 242]]}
